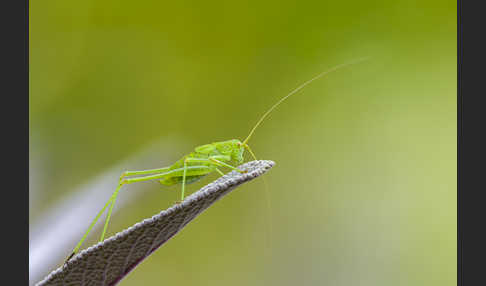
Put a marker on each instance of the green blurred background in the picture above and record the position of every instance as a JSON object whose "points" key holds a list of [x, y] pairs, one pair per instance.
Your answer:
{"points": [[364, 190]]}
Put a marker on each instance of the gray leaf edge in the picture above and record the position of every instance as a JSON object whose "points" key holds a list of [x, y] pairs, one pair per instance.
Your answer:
{"points": [[108, 262]]}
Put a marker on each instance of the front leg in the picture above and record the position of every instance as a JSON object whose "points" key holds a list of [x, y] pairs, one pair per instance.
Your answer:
{"points": [[213, 160], [220, 163], [219, 171]]}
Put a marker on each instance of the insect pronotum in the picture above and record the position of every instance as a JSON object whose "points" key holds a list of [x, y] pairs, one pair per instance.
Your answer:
{"points": [[204, 160]]}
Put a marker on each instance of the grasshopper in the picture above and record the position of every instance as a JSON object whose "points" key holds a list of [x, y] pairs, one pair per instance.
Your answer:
{"points": [[204, 160]]}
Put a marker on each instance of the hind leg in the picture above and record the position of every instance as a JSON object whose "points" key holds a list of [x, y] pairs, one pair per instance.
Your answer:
{"points": [[219, 171], [110, 201]]}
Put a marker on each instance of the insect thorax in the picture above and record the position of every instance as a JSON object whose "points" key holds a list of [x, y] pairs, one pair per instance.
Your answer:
{"points": [[232, 148]]}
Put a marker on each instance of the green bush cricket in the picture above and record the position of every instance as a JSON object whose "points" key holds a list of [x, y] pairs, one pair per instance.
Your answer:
{"points": [[205, 159]]}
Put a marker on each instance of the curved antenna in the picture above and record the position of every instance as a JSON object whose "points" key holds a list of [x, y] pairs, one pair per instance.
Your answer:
{"points": [[299, 88]]}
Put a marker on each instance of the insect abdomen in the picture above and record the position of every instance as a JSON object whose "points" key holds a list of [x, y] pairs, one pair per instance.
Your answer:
{"points": [[177, 180]]}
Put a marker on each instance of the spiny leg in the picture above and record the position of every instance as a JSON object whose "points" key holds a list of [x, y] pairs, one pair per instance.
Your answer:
{"points": [[184, 173], [251, 152], [184, 179], [202, 170], [220, 163], [112, 202], [108, 216], [144, 172], [211, 160], [120, 184], [75, 250], [199, 170], [219, 171], [123, 181]]}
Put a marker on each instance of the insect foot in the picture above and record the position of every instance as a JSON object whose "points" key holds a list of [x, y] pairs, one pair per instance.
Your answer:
{"points": [[69, 257]]}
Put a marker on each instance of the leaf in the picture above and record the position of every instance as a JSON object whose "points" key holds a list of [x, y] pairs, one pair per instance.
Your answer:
{"points": [[108, 262]]}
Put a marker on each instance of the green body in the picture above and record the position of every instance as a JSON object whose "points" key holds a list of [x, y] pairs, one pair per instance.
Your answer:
{"points": [[230, 151]]}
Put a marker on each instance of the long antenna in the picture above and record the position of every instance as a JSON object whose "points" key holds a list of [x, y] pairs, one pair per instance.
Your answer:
{"points": [[299, 88]]}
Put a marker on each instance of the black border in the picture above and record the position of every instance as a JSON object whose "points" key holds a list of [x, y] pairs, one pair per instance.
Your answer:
{"points": [[471, 143], [15, 138]]}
